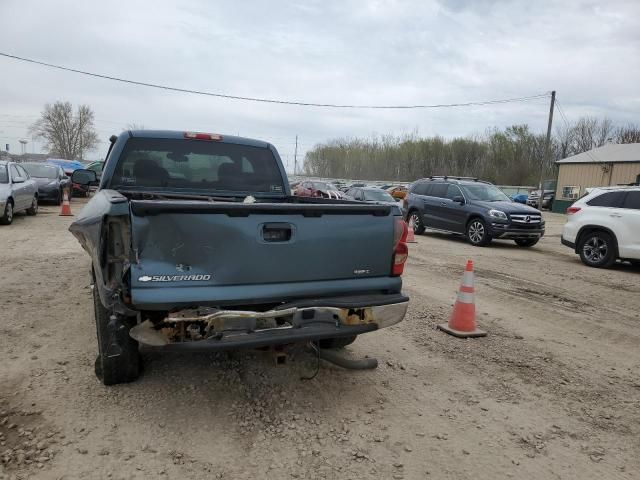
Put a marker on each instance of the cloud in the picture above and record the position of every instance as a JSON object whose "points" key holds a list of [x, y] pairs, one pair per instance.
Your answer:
{"points": [[382, 52]]}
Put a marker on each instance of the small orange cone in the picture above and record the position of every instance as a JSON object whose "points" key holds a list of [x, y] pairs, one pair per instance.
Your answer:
{"points": [[65, 210], [462, 323], [411, 237]]}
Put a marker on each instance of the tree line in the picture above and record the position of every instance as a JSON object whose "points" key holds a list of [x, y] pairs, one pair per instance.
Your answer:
{"points": [[512, 156]]}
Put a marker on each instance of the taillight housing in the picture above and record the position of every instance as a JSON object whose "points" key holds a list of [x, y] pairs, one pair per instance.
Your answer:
{"points": [[572, 210], [203, 136], [400, 249]]}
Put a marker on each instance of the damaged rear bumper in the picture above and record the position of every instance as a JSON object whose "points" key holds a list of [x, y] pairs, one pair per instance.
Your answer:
{"points": [[290, 323]]}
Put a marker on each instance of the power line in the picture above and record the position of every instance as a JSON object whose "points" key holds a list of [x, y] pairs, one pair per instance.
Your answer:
{"points": [[588, 152], [267, 100], [566, 122]]}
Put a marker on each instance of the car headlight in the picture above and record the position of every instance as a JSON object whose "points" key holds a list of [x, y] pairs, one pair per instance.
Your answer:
{"points": [[498, 214]]}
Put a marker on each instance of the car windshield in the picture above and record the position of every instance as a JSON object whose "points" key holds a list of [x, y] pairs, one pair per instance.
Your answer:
{"points": [[484, 192], [4, 176], [378, 196], [41, 171], [196, 166]]}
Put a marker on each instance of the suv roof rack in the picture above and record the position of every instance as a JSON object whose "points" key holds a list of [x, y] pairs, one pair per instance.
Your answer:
{"points": [[446, 177]]}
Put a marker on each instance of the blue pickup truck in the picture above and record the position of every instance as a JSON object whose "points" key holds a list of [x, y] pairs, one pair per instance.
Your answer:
{"points": [[197, 243]]}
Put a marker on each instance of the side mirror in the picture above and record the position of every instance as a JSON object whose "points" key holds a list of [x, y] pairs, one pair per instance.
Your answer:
{"points": [[18, 180], [458, 199], [64, 177], [84, 177]]}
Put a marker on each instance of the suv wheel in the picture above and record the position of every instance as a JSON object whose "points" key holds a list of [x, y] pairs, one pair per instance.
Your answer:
{"points": [[418, 225], [477, 233], [597, 249], [526, 242]]}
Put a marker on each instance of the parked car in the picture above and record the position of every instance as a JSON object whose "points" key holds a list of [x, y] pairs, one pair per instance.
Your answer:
{"points": [[520, 198], [97, 167], [51, 181], [186, 262], [604, 226], [549, 193], [69, 166], [398, 192], [371, 194], [476, 209], [310, 188], [18, 192]]}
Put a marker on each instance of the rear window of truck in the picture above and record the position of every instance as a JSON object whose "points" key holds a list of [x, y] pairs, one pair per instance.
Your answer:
{"points": [[196, 166]]}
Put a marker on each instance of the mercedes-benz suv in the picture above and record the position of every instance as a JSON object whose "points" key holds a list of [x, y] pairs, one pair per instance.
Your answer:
{"points": [[473, 208]]}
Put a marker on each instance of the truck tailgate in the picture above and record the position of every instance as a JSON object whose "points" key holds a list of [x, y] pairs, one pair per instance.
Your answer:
{"points": [[199, 244]]}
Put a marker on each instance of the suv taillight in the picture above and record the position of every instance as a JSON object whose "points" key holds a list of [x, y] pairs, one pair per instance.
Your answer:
{"points": [[400, 249], [572, 210]]}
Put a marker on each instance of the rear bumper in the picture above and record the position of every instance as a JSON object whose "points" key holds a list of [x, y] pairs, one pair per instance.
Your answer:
{"points": [[567, 243], [171, 297], [304, 324]]}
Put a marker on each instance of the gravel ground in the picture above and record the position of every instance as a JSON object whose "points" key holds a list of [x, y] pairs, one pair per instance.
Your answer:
{"points": [[552, 392]]}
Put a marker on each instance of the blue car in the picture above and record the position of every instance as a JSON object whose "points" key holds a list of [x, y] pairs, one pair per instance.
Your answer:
{"points": [[69, 166], [520, 198]]}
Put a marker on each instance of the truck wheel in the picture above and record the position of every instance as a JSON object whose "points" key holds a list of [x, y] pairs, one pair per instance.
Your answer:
{"points": [[33, 209], [418, 224], [477, 233], [7, 216], [118, 356], [597, 249], [336, 343], [526, 242]]}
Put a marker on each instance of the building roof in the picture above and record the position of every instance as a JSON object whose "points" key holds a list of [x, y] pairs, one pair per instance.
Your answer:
{"points": [[609, 153]]}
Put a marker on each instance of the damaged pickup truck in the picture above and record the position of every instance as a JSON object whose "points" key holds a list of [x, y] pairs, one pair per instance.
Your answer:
{"points": [[197, 243]]}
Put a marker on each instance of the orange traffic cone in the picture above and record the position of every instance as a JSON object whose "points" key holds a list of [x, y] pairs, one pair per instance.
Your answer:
{"points": [[462, 323], [65, 210], [411, 237]]}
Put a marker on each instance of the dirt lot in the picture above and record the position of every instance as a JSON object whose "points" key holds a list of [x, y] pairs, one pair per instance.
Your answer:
{"points": [[552, 392]]}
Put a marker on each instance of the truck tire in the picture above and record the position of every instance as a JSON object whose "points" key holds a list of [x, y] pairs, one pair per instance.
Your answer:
{"points": [[118, 356], [336, 343]]}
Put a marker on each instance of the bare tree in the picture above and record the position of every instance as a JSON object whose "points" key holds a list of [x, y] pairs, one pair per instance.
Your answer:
{"points": [[589, 133], [629, 133], [565, 137], [66, 135]]}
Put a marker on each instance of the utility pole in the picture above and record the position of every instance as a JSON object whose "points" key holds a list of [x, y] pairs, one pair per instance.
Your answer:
{"points": [[547, 147], [295, 158]]}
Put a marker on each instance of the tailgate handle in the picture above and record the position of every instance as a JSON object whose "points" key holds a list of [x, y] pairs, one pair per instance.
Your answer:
{"points": [[277, 232]]}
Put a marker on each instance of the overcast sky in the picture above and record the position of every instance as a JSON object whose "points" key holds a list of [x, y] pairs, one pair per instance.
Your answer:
{"points": [[377, 52]]}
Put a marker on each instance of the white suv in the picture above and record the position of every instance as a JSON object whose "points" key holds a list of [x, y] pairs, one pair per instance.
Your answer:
{"points": [[604, 226]]}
